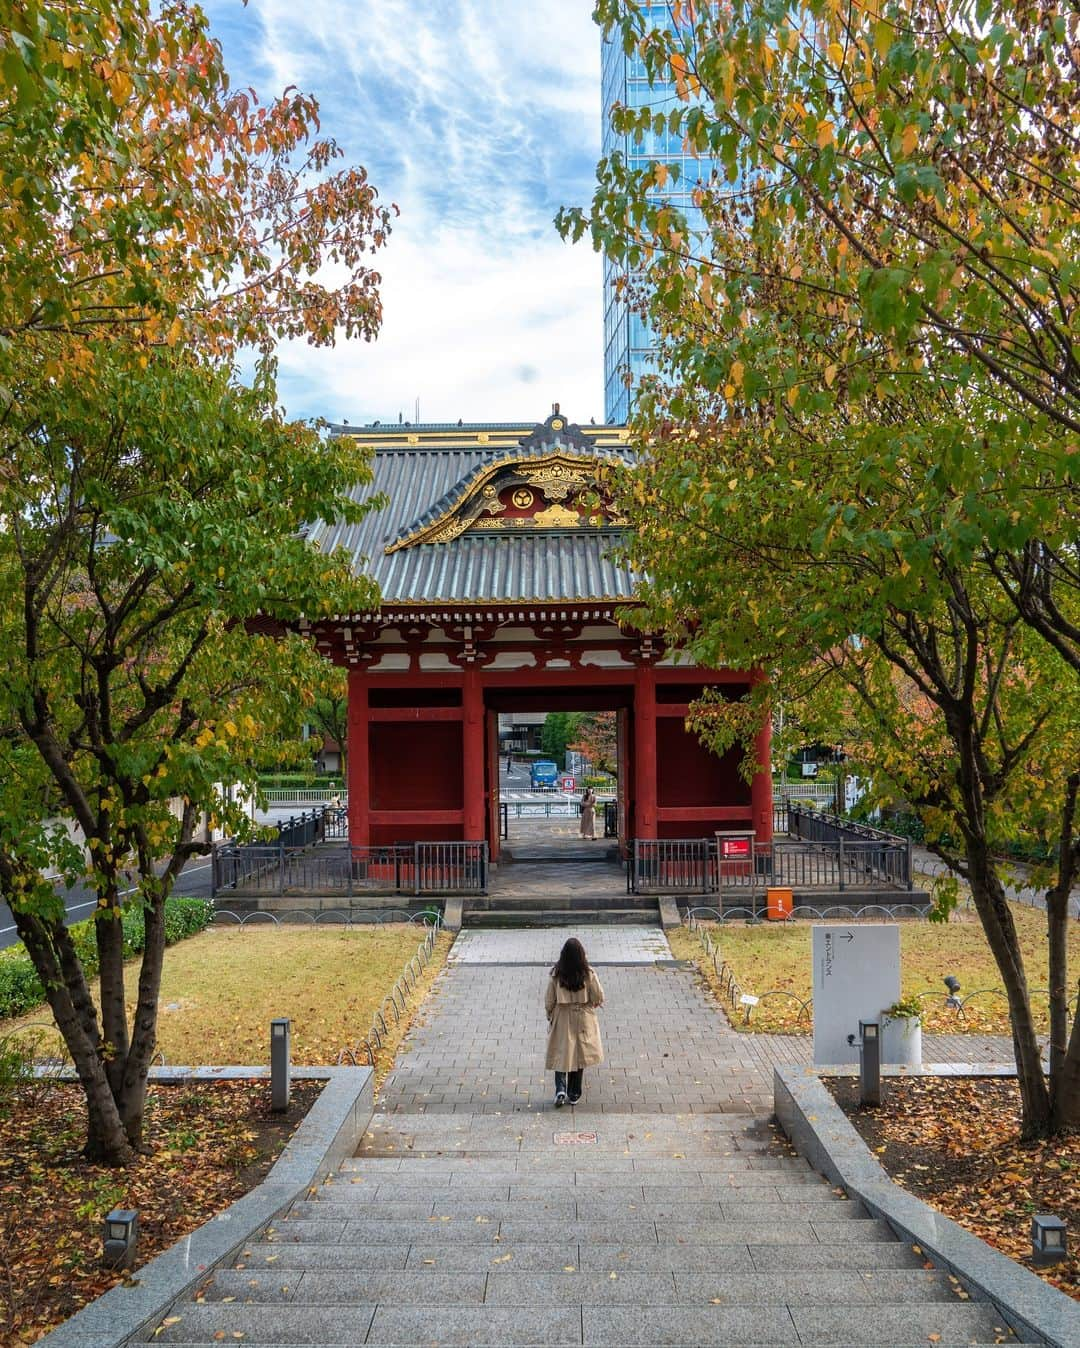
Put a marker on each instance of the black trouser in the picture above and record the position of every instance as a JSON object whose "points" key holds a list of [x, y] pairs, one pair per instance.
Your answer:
{"points": [[570, 1082]]}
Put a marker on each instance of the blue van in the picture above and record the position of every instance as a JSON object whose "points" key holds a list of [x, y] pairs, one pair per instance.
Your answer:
{"points": [[543, 772]]}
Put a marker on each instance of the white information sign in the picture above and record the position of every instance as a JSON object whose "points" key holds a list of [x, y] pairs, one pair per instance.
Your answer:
{"points": [[856, 976]]}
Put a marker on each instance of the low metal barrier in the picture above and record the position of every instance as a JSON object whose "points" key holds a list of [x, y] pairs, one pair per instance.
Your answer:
{"points": [[313, 795], [535, 809], [825, 792], [372, 1042], [419, 868]]}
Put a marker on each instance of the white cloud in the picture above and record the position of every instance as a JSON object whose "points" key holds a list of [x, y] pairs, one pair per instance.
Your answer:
{"points": [[478, 118]]}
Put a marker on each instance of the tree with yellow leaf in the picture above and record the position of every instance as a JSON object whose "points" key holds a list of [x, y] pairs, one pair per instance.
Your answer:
{"points": [[152, 222], [866, 422]]}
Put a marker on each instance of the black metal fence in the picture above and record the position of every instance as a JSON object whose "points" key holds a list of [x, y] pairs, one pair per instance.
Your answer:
{"points": [[704, 865], [672, 866], [276, 869]]}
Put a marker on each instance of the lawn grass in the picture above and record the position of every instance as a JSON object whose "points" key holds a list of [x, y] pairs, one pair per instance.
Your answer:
{"points": [[777, 956], [220, 990]]}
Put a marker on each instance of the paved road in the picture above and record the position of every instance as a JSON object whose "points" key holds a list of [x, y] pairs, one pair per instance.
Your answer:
{"points": [[927, 864], [194, 881]]}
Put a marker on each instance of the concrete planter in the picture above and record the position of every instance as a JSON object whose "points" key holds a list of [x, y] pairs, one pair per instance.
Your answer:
{"points": [[901, 1040]]}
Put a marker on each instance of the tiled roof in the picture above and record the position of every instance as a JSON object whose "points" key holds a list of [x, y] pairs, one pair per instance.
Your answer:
{"points": [[422, 481]]}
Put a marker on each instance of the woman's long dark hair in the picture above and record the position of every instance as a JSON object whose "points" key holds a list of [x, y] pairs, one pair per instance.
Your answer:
{"points": [[572, 967]]}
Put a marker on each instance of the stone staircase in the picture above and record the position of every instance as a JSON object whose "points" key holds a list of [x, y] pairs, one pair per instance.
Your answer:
{"points": [[586, 885], [638, 1230]]}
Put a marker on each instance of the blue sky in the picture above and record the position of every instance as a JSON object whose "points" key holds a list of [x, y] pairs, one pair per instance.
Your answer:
{"points": [[478, 118]]}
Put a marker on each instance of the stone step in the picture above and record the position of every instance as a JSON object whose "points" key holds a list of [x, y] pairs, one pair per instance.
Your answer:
{"points": [[562, 898], [625, 1232], [560, 917], [556, 1256], [493, 1151], [569, 1286], [384, 1192], [597, 1169], [460, 1209], [672, 1324]]}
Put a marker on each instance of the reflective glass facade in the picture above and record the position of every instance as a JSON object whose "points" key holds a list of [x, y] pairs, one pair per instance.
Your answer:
{"points": [[628, 343]]}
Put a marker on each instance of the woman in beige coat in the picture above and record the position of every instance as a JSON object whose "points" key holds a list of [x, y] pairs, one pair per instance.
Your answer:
{"points": [[571, 999]]}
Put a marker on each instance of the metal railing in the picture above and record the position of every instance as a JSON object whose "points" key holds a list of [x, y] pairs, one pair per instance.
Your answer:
{"points": [[419, 868], [816, 826], [822, 791], [303, 830], [700, 866], [671, 866], [862, 854], [555, 809], [303, 795]]}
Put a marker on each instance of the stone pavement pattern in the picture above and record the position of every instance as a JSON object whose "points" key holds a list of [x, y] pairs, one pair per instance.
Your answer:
{"points": [[664, 1210]]}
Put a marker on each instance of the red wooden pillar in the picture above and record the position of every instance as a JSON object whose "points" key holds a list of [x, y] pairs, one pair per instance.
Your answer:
{"points": [[472, 754], [645, 752], [494, 823], [359, 761], [761, 786]]}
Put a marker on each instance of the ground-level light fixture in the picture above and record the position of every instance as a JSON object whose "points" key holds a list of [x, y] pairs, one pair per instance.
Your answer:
{"points": [[1048, 1242], [280, 1064], [868, 1042], [121, 1238]]}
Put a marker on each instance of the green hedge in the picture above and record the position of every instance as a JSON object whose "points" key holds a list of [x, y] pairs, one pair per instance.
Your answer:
{"points": [[303, 781], [20, 989]]}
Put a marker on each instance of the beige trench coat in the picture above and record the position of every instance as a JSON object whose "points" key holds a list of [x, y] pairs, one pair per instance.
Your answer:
{"points": [[574, 1037]]}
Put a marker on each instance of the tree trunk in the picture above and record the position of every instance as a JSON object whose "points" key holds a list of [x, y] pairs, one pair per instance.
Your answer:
{"points": [[1064, 1047], [997, 920], [1065, 1084], [144, 1030], [69, 997], [109, 929]]}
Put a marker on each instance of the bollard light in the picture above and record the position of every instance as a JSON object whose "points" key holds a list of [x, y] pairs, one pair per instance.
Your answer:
{"points": [[121, 1238], [1048, 1239], [280, 1067]]}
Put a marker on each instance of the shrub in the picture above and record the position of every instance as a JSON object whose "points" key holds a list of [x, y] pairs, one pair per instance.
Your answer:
{"points": [[16, 1067], [20, 989], [303, 781]]}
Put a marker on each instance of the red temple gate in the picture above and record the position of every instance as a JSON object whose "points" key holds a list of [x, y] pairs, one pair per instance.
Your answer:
{"points": [[499, 595]]}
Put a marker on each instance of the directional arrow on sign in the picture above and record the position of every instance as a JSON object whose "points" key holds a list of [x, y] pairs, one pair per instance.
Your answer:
{"points": [[849, 936]]}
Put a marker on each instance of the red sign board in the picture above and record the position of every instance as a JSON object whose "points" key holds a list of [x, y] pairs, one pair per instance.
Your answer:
{"points": [[736, 848], [568, 784]]}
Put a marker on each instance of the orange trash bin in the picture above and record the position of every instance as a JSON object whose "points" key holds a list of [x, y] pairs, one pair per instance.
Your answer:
{"points": [[778, 904]]}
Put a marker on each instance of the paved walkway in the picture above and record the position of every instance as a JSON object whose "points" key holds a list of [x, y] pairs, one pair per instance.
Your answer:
{"points": [[664, 1210], [546, 877]]}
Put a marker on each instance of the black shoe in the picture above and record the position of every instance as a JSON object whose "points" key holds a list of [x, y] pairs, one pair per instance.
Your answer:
{"points": [[560, 1099], [573, 1099]]}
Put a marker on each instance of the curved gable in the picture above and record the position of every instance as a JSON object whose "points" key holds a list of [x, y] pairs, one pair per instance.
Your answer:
{"points": [[557, 479]]}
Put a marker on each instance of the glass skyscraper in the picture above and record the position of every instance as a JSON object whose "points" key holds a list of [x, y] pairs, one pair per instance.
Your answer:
{"points": [[628, 343]]}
